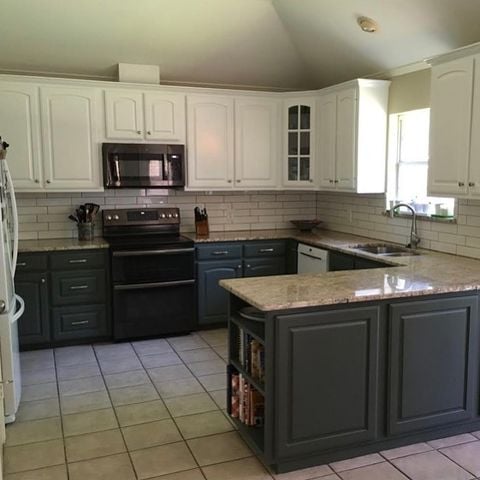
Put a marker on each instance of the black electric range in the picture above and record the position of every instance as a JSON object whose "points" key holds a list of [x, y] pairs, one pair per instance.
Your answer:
{"points": [[153, 273]]}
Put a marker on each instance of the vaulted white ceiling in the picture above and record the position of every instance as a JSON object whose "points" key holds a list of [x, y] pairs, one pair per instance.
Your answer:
{"points": [[287, 44]]}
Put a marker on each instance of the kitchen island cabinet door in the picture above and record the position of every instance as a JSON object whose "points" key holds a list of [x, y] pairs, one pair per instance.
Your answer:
{"points": [[326, 379], [433, 368], [213, 299]]}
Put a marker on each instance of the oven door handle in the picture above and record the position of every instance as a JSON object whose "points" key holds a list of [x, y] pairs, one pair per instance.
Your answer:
{"points": [[142, 253], [139, 286]]}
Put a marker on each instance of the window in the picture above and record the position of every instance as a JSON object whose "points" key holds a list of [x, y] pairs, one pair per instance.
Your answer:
{"points": [[408, 165]]}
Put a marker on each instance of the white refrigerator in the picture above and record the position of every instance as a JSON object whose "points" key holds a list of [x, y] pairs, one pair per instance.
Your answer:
{"points": [[11, 305]]}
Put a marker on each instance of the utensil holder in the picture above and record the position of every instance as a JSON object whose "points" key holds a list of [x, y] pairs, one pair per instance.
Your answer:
{"points": [[85, 231], [201, 228]]}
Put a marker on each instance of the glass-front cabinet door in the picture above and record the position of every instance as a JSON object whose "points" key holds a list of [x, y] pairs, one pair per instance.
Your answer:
{"points": [[299, 143]]}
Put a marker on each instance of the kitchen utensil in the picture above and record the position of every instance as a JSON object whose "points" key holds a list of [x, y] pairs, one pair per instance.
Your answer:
{"points": [[73, 218]]}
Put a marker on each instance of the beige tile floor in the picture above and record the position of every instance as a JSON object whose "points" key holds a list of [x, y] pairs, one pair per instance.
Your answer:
{"points": [[155, 410]]}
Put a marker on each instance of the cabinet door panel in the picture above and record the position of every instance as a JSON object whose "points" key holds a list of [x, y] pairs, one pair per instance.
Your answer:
{"points": [[326, 380], [450, 122], [262, 267], [165, 117], [80, 321], [71, 148], [34, 324], [346, 165], [432, 363], [212, 299], [20, 127], [124, 114], [83, 286], [326, 144], [210, 141], [256, 139], [474, 158]]}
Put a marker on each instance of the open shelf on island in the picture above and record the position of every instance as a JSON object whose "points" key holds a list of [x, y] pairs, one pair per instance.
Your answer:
{"points": [[256, 383], [253, 328]]}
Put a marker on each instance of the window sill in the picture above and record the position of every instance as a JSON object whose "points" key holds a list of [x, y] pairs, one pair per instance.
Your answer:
{"points": [[422, 217]]}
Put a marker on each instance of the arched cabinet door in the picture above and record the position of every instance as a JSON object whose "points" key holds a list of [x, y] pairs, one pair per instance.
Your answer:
{"points": [[450, 127], [210, 141], [299, 155], [20, 127], [124, 114], [71, 149]]}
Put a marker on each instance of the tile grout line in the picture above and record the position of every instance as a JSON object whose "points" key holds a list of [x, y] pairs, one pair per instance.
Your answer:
{"points": [[115, 413]]}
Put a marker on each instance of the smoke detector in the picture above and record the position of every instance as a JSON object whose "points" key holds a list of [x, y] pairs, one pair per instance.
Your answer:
{"points": [[367, 24]]}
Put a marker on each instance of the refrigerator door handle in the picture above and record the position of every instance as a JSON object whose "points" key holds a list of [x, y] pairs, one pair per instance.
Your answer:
{"points": [[18, 313], [15, 220]]}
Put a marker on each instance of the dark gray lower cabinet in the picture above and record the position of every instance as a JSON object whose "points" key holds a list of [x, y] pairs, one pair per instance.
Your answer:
{"points": [[339, 261], [212, 299], [79, 322], [34, 324], [433, 363], [261, 267], [327, 375]]}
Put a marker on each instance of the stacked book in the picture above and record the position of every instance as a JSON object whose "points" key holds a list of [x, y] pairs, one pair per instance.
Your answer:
{"points": [[252, 356], [247, 404]]}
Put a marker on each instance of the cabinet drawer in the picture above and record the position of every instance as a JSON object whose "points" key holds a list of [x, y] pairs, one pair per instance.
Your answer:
{"points": [[264, 249], [29, 262], [78, 287], [79, 322], [262, 267], [219, 251], [77, 259]]}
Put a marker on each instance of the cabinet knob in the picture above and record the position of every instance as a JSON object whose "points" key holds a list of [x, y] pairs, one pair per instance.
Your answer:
{"points": [[331, 181], [248, 266], [43, 280], [336, 181], [461, 184], [471, 184], [311, 180], [149, 132], [37, 180], [239, 267], [238, 181], [139, 132], [48, 181], [229, 181]]}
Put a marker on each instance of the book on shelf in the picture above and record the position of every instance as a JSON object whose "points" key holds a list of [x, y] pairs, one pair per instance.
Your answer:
{"points": [[247, 403], [251, 355]]}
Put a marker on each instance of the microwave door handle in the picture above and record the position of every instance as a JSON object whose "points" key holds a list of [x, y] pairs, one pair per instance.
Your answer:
{"points": [[117, 168]]}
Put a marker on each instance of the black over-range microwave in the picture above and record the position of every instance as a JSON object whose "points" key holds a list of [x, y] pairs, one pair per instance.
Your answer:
{"points": [[128, 165]]}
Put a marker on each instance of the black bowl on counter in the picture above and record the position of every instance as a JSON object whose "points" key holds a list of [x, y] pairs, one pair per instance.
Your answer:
{"points": [[306, 225]]}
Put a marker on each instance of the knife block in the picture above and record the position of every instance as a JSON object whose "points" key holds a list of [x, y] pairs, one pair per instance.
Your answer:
{"points": [[201, 228]]}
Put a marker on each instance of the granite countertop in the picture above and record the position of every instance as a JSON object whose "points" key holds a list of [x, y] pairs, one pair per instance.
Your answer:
{"points": [[58, 244], [426, 274]]}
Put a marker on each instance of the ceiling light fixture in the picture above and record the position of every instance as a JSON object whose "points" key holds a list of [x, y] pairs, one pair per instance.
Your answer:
{"points": [[367, 24]]}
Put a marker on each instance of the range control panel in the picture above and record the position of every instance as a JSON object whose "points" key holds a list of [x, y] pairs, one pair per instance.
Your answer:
{"points": [[141, 216]]}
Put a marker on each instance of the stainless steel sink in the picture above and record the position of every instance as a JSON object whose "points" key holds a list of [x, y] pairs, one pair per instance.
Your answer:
{"points": [[385, 249]]}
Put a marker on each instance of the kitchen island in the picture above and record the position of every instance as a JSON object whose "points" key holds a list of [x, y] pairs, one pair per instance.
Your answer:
{"points": [[352, 362]]}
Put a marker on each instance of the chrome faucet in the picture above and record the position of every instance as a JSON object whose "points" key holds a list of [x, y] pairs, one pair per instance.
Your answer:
{"points": [[414, 238]]}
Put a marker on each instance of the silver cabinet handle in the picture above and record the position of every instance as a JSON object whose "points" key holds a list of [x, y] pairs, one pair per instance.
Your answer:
{"points": [[266, 250], [461, 184], [83, 322], [80, 260], [221, 252], [141, 286], [247, 265], [21, 264], [239, 267], [42, 280], [471, 184], [78, 287]]}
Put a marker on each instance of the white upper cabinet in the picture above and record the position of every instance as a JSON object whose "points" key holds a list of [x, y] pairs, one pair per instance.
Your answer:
{"points": [[299, 154], [20, 127], [135, 115], [454, 164], [210, 141], [256, 142], [71, 151], [165, 116], [352, 136], [124, 114]]}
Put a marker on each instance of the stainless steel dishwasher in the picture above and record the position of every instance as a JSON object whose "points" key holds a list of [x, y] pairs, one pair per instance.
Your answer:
{"points": [[311, 259]]}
